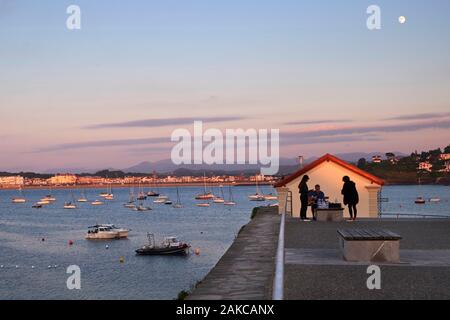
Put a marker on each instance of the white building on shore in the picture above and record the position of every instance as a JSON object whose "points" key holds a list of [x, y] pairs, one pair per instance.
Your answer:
{"points": [[12, 181], [328, 172]]}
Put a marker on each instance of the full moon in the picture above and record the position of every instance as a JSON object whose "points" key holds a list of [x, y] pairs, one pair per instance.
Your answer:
{"points": [[402, 19]]}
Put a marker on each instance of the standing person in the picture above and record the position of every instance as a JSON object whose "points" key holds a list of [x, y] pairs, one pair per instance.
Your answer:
{"points": [[316, 195], [304, 190], [351, 197]]}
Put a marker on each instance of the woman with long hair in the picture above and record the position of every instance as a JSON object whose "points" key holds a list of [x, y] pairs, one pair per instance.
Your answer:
{"points": [[351, 197], [303, 190]]}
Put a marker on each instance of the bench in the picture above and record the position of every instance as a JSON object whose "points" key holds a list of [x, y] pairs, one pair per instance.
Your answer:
{"points": [[330, 215], [369, 245]]}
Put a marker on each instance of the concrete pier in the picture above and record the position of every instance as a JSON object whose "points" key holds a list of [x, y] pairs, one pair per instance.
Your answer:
{"points": [[246, 270], [315, 268]]}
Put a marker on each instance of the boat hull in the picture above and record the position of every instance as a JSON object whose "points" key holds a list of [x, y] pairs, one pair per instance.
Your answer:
{"points": [[183, 250]]}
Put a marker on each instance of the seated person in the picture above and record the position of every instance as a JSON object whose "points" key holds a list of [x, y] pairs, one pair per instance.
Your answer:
{"points": [[314, 196]]}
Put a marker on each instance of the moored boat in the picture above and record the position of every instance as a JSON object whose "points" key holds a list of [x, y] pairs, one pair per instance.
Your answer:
{"points": [[69, 205], [203, 205], [169, 246], [105, 232], [420, 200]]}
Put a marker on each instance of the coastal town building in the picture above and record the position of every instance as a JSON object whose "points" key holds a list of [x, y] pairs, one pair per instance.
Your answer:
{"points": [[425, 166], [377, 159], [63, 179], [444, 156], [12, 181], [328, 172], [446, 167]]}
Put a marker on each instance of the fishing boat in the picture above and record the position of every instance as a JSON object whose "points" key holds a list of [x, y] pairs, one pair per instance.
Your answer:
{"points": [[178, 204], [230, 201], [169, 246], [20, 199], [97, 203], [106, 231], [206, 195], [420, 200]]}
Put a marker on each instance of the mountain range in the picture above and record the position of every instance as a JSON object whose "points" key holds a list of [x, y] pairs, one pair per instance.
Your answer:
{"points": [[287, 165]]}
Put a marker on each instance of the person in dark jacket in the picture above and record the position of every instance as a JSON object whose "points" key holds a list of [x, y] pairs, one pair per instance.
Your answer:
{"points": [[351, 197], [304, 191]]}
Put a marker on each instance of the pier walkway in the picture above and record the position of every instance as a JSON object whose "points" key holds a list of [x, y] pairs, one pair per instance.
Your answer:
{"points": [[314, 268], [246, 270]]}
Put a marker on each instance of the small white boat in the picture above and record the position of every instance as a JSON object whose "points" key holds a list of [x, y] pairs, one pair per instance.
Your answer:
{"points": [[109, 197], [230, 201], [218, 200], [83, 198], [106, 231], [270, 197], [168, 202], [204, 205], [43, 202], [178, 204], [48, 198], [18, 200], [257, 197], [435, 200], [69, 205], [97, 203], [159, 200], [141, 207]]}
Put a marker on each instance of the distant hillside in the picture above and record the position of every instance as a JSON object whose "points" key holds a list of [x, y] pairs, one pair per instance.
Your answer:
{"points": [[287, 165]]}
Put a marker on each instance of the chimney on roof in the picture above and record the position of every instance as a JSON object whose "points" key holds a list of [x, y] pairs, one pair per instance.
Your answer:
{"points": [[300, 161]]}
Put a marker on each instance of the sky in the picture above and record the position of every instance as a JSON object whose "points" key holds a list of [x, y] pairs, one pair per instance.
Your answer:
{"points": [[111, 94]]}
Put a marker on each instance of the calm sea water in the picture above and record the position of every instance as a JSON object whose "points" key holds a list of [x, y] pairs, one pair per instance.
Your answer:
{"points": [[212, 230]]}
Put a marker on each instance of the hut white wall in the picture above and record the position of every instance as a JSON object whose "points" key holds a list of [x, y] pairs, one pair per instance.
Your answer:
{"points": [[329, 176]]}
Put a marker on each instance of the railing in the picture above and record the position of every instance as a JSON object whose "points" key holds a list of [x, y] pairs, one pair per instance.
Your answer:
{"points": [[278, 282], [413, 215]]}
